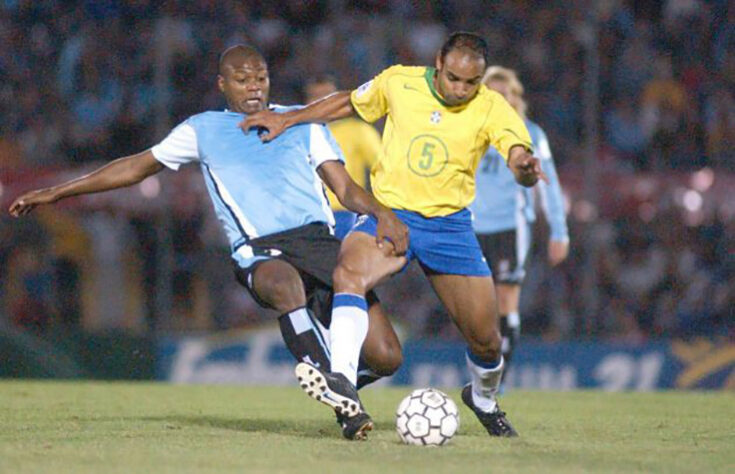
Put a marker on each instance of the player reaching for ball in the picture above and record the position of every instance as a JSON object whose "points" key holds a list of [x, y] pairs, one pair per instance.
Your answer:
{"points": [[270, 202], [439, 123]]}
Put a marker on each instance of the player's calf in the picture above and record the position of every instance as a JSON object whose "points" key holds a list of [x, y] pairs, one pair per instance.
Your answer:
{"points": [[381, 357], [303, 338], [486, 348]]}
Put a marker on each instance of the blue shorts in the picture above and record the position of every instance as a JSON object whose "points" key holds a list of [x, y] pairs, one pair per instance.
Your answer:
{"points": [[445, 244], [344, 220]]}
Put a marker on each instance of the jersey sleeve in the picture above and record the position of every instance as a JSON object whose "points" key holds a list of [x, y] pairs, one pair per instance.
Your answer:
{"points": [[322, 146], [370, 100], [551, 197], [505, 128], [178, 148]]}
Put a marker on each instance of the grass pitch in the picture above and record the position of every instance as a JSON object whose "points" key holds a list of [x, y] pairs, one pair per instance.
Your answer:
{"points": [[60, 427]]}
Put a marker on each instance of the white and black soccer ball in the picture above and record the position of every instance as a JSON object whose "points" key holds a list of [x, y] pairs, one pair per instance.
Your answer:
{"points": [[427, 417]]}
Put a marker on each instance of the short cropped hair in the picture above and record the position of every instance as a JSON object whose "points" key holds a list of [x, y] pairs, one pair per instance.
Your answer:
{"points": [[245, 50], [467, 41]]}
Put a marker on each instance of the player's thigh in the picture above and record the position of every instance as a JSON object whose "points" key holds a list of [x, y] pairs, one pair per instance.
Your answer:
{"points": [[470, 301], [381, 349], [279, 284], [509, 295], [362, 265]]}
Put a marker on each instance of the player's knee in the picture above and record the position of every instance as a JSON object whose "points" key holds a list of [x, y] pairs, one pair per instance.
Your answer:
{"points": [[486, 348], [282, 295], [348, 279]]}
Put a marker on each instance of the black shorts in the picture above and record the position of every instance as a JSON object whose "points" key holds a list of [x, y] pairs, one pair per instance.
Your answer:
{"points": [[506, 254], [312, 250]]}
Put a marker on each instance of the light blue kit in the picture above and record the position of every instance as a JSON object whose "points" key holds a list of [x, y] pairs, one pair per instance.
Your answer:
{"points": [[502, 204], [257, 188]]}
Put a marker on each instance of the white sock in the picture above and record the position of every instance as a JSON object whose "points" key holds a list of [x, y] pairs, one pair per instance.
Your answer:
{"points": [[514, 319], [347, 332], [485, 381]]}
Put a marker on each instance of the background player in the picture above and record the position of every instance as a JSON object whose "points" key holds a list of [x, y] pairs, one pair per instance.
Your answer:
{"points": [[360, 143], [283, 252], [439, 123], [503, 213]]}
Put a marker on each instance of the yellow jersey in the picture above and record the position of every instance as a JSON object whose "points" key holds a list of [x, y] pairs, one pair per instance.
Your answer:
{"points": [[430, 151], [360, 143]]}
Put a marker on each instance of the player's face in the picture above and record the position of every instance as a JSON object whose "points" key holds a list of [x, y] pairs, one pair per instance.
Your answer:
{"points": [[318, 90], [459, 76], [245, 85]]}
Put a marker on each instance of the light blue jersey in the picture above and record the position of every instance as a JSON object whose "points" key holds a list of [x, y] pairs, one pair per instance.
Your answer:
{"points": [[502, 204], [257, 188]]}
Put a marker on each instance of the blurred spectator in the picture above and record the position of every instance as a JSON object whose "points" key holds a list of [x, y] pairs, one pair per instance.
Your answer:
{"points": [[97, 93], [82, 80], [719, 124], [624, 133]]}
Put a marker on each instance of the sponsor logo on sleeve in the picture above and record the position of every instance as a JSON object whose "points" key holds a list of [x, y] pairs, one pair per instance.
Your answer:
{"points": [[363, 88]]}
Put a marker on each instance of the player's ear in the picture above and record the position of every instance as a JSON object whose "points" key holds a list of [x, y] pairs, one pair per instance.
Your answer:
{"points": [[438, 61], [221, 83]]}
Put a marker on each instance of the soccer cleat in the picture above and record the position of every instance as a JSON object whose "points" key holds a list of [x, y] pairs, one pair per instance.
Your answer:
{"points": [[335, 391], [355, 427], [494, 422]]}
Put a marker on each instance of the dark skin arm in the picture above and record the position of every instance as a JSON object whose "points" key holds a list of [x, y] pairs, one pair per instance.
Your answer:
{"points": [[525, 168], [356, 199], [332, 107], [120, 173]]}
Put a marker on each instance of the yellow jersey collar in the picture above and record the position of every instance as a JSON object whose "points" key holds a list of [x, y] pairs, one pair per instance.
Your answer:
{"points": [[429, 76]]}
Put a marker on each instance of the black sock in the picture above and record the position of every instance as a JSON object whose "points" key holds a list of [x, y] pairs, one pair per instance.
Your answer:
{"points": [[303, 338], [365, 375], [510, 330]]}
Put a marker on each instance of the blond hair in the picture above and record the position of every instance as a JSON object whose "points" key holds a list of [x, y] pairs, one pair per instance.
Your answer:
{"points": [[503, 74]]}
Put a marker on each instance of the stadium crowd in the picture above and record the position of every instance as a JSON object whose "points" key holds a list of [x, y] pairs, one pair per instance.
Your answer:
{"points": [[80, 80]]}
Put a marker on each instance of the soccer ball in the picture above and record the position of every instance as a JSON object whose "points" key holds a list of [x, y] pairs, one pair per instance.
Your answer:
{"points": [[427, 417]]}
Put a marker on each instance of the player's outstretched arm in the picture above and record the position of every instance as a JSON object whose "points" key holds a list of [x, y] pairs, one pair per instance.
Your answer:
{"points": [[116, 174], [525, 168], [334, 106], [356, 199]]}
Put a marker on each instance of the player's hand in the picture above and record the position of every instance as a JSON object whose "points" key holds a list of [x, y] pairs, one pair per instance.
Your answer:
{"points": [[527, 169], [28, 201], [268, 124], [391, 228], [558, 251]]}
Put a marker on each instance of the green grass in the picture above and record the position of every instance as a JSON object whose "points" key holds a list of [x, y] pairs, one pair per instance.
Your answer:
{"points": [[59, 427]]}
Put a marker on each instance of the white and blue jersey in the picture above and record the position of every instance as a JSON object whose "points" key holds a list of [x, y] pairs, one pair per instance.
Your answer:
{"points": [[502, 204], [257, 188]]}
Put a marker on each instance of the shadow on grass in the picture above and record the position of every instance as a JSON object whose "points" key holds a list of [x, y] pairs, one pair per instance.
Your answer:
{"points": [[325, 428], [305, 428]]}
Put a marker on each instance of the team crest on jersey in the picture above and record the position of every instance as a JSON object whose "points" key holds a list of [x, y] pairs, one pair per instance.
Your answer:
{"points": [[436, 117]]}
